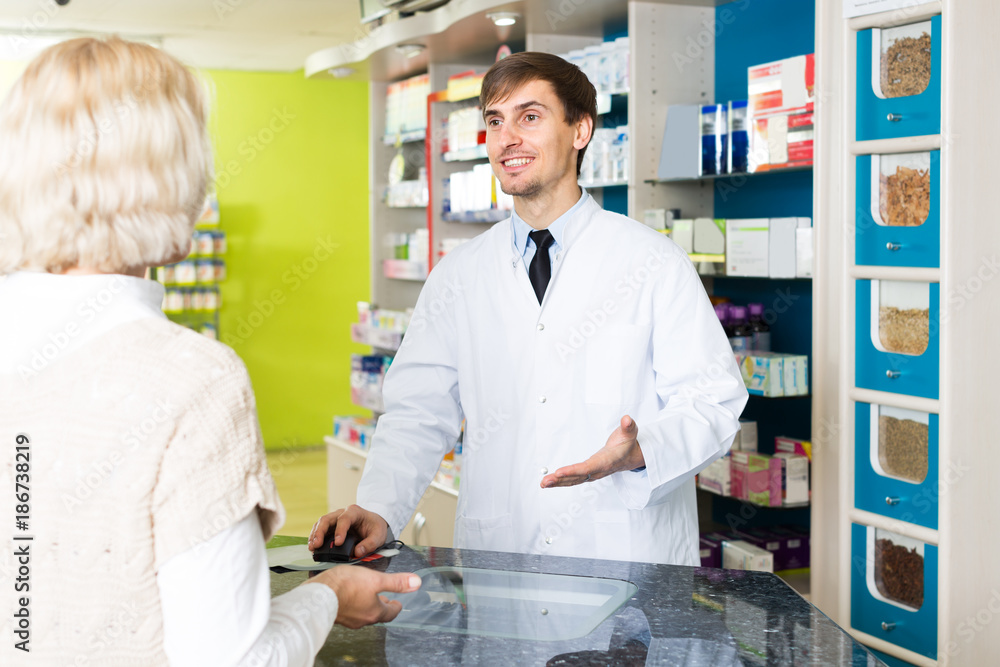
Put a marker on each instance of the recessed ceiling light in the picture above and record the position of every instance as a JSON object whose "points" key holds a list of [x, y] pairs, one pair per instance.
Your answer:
{"points": [[502, 19], [409, 50]]}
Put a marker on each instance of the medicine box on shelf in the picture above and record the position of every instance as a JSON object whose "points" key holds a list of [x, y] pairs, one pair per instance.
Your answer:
{"points": [[756, 478], [746, 437], [898, 213], [780, 120], [896, 463], [742, 555], [709, 236], [896, 336], [894, 588], [899, 81], [717, 476], [774, 374], [782, 255], [781, 141], [783, 443], [782, 85], [805, 251], [747, 246], [682, 234]]}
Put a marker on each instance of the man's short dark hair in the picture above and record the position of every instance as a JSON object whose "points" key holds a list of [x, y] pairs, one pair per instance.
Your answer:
{"points": [[570, 84]]}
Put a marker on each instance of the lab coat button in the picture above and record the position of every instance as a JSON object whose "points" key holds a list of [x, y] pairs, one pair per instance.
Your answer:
{"points": [[541, 399], [545, 471], [548, 540], [541, 327]]}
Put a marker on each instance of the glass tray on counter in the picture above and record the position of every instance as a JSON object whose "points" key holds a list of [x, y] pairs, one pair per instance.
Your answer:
{"points": [[518, 605]]}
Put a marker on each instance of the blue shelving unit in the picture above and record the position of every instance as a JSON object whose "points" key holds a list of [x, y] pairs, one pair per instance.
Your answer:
{"points": [[751, 34]]}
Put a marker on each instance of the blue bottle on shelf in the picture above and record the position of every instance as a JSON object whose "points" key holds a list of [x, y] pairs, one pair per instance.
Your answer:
{"points": [[739, 139], [761, 338], [713, 139], [741, 338]]}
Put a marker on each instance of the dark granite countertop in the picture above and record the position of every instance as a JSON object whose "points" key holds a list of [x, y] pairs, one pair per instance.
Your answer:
{"points": [[679, 616]]}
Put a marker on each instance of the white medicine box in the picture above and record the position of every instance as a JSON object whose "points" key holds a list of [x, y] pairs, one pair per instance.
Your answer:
{"points": [[740, 555], [709, 236], [804, 252], [682, 234], [747, 247], [782, 245]]}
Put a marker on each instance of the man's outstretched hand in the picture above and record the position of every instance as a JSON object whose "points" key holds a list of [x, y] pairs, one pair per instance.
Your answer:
{"points": [[620, 452]]}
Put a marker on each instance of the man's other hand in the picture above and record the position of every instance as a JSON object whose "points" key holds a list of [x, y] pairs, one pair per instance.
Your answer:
{"points": [[372, 528]]}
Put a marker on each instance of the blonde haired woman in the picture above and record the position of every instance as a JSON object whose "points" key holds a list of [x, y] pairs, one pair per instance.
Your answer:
{"points": [[133, 442]]}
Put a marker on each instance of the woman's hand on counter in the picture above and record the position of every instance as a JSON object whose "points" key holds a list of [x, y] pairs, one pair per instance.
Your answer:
{"points": [[358, 589], [373, 529], [621, 452]]}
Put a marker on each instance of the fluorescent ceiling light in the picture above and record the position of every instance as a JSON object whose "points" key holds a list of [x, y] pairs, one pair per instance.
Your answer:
{"points": [[409, 50], [502, 19]]}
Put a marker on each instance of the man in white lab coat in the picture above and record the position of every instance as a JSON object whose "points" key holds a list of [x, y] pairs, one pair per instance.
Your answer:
{"points": [[593, 376]]}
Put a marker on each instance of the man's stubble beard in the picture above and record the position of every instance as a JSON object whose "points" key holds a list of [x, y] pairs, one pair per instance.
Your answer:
{"points": [[528, 190]]}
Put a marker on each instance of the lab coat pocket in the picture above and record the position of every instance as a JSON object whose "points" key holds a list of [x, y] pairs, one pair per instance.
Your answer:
{"points": [[493, 534], [612, 535], [617, 365]]}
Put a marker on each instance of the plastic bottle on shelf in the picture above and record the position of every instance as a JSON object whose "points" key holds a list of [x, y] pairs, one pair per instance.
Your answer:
{"points": [[620, 153], [606, 70], [587, 168], [742, 334], [603, 163], [591, 63], [761, 337], [621, 64]]}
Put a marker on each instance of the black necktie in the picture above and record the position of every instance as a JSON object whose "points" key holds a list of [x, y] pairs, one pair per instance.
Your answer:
{"points": [[540, 269]]}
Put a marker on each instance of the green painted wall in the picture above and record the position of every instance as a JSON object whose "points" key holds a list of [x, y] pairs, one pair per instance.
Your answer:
{"points": [[292, 183]]}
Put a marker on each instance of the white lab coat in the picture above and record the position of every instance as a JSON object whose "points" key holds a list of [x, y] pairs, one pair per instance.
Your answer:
{"points": [[625, 327]]}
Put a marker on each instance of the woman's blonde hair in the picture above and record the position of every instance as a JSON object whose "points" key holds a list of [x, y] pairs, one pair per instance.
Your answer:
{"points": [[104, 158]]}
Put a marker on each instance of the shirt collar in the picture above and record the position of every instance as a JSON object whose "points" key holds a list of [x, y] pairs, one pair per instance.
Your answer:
{"points": [[557, 228], [54, 288], [57, 314]]}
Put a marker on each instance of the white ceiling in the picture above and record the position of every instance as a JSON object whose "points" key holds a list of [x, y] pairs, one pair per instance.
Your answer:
{"points": [[224, 34]]}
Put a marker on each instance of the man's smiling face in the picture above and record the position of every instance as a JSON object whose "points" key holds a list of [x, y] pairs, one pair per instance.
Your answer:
{"points": [[531, 147]]}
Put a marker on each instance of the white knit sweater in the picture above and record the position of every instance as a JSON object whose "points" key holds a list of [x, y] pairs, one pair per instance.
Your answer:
{"points": [[184, 461]]}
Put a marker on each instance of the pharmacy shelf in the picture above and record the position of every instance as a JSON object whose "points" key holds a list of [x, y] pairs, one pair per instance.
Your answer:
{"points": [[791, 506], [405, 138], [604, 101], [351, 447], [488, 216], [466, 154], [723, 275], [404, 269], [780, 398], [369, 400], [713, 177], [378, 338], [603, 184]]}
